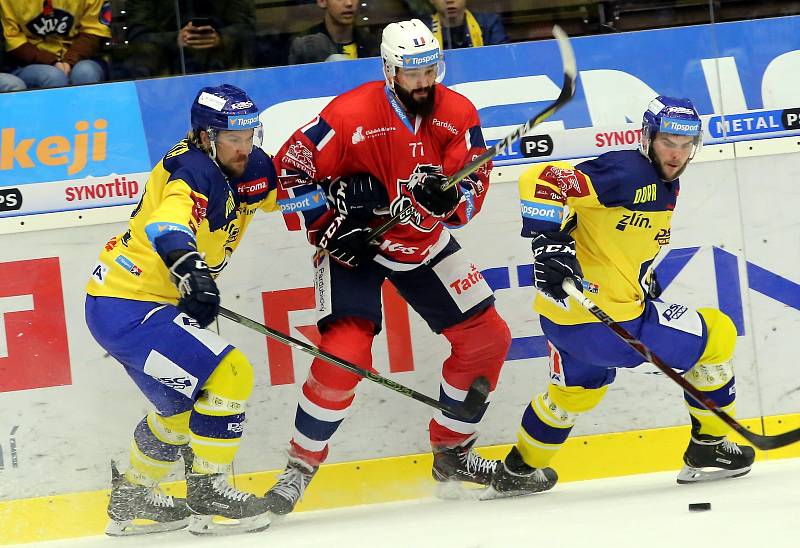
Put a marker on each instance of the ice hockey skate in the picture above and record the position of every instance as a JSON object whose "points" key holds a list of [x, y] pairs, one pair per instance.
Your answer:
{"points": [[455, 465], [708, 459], [137, 509], [210, 495], [514, 478], [290, 486]]}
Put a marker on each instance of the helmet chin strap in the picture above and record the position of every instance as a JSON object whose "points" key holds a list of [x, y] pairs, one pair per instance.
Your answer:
{"points": [[212, 140]]}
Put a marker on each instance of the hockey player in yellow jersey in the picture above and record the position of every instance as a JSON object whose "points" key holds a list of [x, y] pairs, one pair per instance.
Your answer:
{"points": [[619, 211], [151, 296]]}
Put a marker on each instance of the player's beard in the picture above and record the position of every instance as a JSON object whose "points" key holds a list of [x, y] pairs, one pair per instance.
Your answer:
{"points": [[413, 106], [657, 165]]}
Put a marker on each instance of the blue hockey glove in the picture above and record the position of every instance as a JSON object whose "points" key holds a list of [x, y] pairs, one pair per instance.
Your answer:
{"points": [[199, 296], [554, 261]]}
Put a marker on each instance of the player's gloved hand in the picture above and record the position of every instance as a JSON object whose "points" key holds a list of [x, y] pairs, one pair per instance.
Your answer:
{"points": [[359, 197], [554, 261], [653, 287], [428, 193], [346, 241], [199, 294]]}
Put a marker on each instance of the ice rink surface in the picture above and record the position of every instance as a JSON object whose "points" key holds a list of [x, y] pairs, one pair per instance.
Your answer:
{"points": [[649, 511]]}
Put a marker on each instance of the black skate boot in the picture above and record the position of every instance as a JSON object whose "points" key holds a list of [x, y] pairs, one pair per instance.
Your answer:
{"points": [[129, 502], [290, 486], [708, 458], [209, 495], [514, 478], [454, 465]]}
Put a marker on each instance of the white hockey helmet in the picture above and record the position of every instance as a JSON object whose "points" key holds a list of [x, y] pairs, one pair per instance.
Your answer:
{"points": [[408, 45]]}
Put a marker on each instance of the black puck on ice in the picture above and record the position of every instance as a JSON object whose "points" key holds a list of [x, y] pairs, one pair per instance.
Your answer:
{"points": [[699, 506]]}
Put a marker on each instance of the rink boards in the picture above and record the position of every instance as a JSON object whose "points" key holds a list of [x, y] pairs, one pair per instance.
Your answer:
{"points": [[66, 409]]}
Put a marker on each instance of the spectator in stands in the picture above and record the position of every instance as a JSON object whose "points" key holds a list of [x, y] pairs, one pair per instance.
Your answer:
{"points": [[336, 38], [457, 27], [211, 35], [56, 43], [8, 82]]}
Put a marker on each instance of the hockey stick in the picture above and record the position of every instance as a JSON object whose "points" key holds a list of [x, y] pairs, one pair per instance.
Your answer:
{"points": [[567, 91], [474, 400], [760, 441]]}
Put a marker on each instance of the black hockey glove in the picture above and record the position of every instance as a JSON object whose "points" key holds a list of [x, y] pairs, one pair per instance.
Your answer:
{"points": [[432, 199], [199, 294], [653, 288], [346, 241], [554, 261], [359, 197]]}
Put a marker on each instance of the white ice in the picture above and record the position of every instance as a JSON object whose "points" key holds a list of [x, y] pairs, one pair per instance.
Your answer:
{"points": [[648, 511]]}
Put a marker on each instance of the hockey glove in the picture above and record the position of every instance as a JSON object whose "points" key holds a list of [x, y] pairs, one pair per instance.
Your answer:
{"points": [[359, 197], [554, 261], [199, 296], [432, 199], [653, 288], [346, 241]]}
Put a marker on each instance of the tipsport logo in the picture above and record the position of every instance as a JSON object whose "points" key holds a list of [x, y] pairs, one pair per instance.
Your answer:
{"points": [[420, 59], [680, 127], [75, 152]]}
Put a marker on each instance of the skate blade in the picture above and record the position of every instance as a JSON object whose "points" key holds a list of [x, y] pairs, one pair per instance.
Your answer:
{"points": [[128, 528], [206, 525], [689, 474], [456, 490], [490, 493]]}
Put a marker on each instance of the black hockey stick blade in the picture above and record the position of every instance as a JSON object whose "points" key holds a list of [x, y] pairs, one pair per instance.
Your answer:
{"points": [[476, 397], [339, 362], [760, 441], [567, 92]]}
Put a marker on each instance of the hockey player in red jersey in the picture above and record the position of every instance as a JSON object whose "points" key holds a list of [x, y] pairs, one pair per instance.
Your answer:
{"points": [[376, 150]]}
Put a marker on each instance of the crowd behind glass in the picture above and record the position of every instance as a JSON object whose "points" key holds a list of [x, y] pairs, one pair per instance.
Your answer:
{"points": [[54, 43]]}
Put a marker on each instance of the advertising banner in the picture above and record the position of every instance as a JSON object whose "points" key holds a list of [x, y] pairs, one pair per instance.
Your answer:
{"points": [[96, 148]]}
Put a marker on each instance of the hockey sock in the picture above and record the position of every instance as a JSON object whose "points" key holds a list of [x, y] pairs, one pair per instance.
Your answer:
{"points": [[549, 418], [329, 391], [713, 374], [478, 348], [217, 420], [719, 384], [155, 447]]}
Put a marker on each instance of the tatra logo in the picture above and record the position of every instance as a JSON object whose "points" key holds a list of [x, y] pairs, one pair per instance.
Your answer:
{"points": [[472, 278], [55, 150], [647, 193], [633, 219]]}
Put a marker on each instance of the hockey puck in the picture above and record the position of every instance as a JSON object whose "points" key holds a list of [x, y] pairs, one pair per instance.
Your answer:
{"points": [[699, 506]]}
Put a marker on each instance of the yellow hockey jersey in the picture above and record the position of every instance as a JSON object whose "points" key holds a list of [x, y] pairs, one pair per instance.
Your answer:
{"points": [[52, 25], [618, 211], [187, 202]]}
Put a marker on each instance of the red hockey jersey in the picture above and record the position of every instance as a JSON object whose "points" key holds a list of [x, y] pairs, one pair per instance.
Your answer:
{"points": [[366, 130]]}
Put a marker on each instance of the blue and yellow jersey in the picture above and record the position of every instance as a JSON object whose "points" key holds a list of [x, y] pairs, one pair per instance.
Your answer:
{"points": [[618, 210], [187, 203]]}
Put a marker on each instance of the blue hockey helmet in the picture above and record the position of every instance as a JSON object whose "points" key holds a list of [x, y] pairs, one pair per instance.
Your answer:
{"points": [[225, 108], [672, 115]]}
